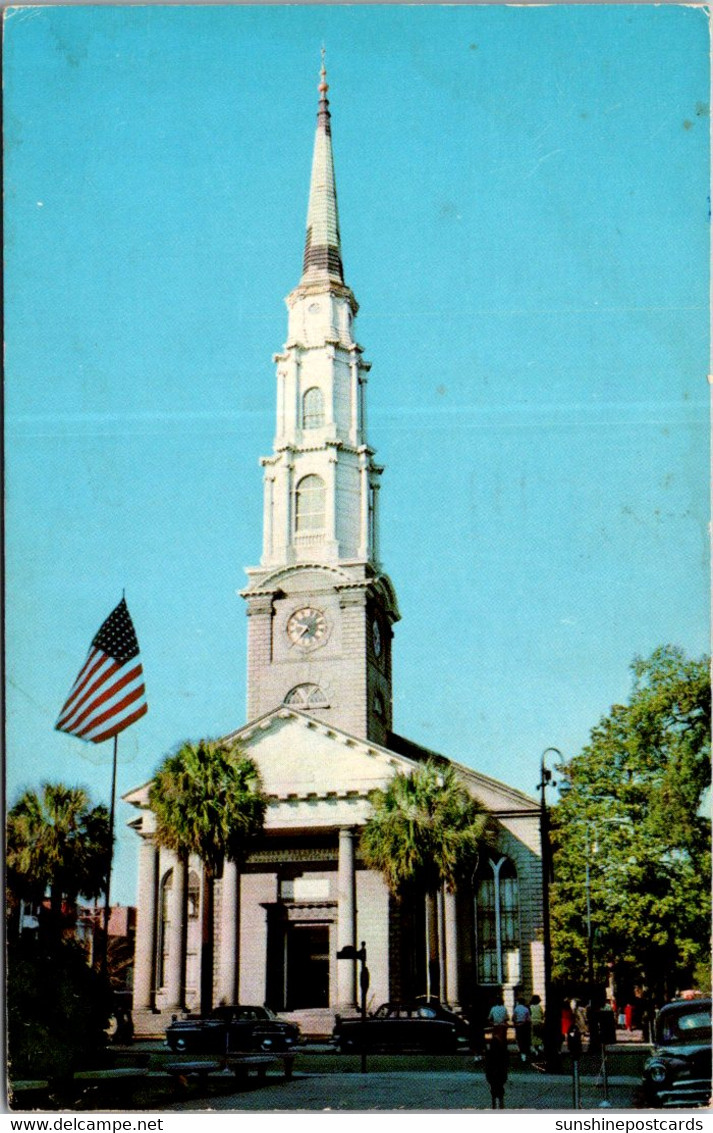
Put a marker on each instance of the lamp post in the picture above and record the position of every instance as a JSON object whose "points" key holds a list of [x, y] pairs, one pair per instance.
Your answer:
{"points": [[590, 935], [551, 1021], [349, 952]]}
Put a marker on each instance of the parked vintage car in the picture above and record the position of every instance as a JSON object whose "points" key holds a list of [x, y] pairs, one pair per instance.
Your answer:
{"points": [[425, 1025], [229, 1029], [678, 1073]]}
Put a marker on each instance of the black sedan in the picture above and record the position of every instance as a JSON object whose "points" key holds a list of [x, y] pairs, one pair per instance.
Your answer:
{"points": [[678, 1073], [229, 1029], [425, 1026]]}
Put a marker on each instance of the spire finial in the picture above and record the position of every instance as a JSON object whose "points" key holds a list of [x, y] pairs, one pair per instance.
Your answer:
{"points": [[323, 84]]}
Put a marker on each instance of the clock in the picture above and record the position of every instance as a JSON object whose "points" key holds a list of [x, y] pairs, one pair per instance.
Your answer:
{"points": [[307, 628], [376, 638]]}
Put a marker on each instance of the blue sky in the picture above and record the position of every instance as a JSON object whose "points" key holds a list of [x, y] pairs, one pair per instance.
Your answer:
{"points": [[524, 210]]}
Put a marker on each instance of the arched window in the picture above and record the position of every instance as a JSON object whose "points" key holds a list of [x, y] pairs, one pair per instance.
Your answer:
{"points": [[312, 408], [497, 919], [164, 920], [310, 504], [306, 696], [193, 895]]}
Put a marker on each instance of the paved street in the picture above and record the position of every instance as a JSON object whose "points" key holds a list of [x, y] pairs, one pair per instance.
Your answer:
{"points": [[405, 1090]]}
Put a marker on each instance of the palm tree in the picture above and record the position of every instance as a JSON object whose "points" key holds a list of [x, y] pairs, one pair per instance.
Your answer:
{"points": [[426, 830], [57, 842], [208, 800]]}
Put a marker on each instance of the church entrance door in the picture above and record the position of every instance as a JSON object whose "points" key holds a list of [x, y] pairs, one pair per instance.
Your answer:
{"points": [[307, 966]]}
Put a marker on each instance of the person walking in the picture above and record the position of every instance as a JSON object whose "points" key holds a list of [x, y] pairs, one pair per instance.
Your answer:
{"points": [[580, 1017], [537, 1022], [496, 1071], [498, 1021], [523, 1028], [477, 1014], [567, 1019]]}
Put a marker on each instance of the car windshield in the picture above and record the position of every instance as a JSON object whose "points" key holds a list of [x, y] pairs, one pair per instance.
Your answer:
{"points": [[384, 1011], [693, 1025], [245, 1013]]}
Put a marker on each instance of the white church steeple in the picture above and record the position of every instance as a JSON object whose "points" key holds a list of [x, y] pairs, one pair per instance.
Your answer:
{"points": [[321, 488], [321, 482]]}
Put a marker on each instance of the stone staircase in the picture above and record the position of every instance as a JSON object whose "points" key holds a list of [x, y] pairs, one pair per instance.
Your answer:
{"points": [[314, 1022], [151, 1024]]}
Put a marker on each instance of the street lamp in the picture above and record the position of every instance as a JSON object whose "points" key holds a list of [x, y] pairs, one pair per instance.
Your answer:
{"points": [[552, 1024], [349, 952]]}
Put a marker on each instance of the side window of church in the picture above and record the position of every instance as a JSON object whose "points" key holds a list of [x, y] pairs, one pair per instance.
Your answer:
{"points": [[193, 897], [312, 409], [309, 504], [164, 921], [497, 915]]}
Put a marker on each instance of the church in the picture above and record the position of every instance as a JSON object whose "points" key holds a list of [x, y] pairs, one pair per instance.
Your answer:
{"points": [[321, 615]]}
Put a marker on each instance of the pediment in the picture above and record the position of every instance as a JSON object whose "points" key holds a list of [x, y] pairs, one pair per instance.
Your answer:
{"points": [[318, 776], [301, 757]]}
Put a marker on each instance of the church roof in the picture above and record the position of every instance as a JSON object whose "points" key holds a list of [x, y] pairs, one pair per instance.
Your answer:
{"points": [[518, 799], [323, 252]]}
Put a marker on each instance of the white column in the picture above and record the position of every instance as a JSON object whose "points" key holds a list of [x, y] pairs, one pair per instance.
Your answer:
{"points": [[227, 990], [451, 942], [354, 438], [375, 522], [284, 503], [176, 967], [346, 917], [256, 891], [297, 402], [267, 516], [145, 956], [331, 501], [364, 481], [331, 415], [364, 367]]}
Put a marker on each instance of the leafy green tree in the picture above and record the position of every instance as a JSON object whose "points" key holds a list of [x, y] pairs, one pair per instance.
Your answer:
{"points": [[56, 843], [208, 800], [631, 836], [426, 830], [58, 1009]]}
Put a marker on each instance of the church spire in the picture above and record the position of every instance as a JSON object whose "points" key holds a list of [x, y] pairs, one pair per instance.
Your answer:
{"points": [[321, 609], [323, 253]]}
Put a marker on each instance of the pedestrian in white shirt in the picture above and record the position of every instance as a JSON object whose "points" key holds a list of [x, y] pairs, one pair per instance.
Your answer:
{"points": [[523, 1028], [498, 1020]]}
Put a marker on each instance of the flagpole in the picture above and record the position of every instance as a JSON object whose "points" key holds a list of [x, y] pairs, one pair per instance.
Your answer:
{"points": [[110, 854]]}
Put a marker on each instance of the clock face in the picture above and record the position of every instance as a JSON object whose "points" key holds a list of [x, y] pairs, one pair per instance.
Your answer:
{"points": [[307, 628], [376, 638]]}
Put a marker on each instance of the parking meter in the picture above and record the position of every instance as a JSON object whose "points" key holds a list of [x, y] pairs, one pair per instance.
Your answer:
{"points": [[574, 1042], [574, 1045]]}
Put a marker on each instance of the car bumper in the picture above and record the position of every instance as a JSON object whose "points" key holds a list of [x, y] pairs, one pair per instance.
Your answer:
{"points": [[694, 1092]]}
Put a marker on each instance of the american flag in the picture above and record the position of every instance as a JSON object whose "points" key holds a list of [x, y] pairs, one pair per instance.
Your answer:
{"points": [[109, 693]]}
